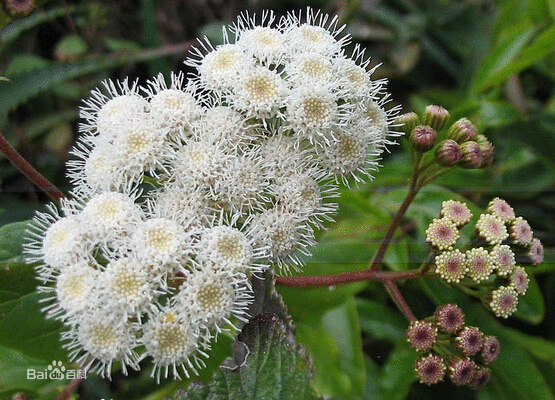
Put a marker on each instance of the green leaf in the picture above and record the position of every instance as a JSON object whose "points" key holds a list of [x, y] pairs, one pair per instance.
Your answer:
{"points": [[19, 373], [541, 47], [504, 53], [381, 321], [343, 324], [23, 327], [276, 367], [398, 374], [11, 240], [12, 31], [531, 307]]}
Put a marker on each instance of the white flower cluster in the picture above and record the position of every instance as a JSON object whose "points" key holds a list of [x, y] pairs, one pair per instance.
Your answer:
{"points": [[183, 191]]}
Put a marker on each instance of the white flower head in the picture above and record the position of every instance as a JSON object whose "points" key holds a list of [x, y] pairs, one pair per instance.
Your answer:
{"points": [[212, 297], [105, 113], [160, 242], [311, 66], [226, 248], [220, 68], [283, 234], [74, 292], [126, 286], [100, 339], [111, 213], [173, 107], [263, 43], [318, 33], [312, 111], [242, 185], [260, 92], [173, 342]]}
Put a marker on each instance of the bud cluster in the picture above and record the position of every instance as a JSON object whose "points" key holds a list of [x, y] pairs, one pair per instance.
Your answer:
{"points": [[492, 264], [182, 191], [452, 348], [459, 145]]}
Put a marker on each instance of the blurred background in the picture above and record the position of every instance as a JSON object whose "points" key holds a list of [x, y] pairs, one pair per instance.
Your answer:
{"points": [[490, 61]]}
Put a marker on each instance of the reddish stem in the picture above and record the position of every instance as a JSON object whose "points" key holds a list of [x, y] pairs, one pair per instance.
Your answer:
{"points": [[27, 169], [69, 389], [399, 299], [348, 277]]}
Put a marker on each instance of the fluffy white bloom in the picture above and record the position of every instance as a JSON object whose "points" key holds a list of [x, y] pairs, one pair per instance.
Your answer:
{"points": [[259, 92], [74, 291], [211, 297], [101, 339], [283, 234], [173, 342], [110, 214], [160, 242], [311, 66], [173, 108], [220, 68], [263, 43], [227, 249], [105, 113], [126, 286]]}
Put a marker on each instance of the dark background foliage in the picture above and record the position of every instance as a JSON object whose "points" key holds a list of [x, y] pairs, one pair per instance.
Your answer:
{"points": [[492, 62]]}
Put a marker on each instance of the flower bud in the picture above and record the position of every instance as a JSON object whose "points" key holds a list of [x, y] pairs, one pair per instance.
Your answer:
{"points": [[487, 150], [471, 155], [408, 121], [423, 138], [448, 153], [436, 116], [462, 131]]}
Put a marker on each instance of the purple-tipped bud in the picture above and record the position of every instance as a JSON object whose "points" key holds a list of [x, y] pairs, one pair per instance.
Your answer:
{"points": [[490, 349], [435, 116], [470, 340], [450, 318], [448, 153], [422, 335], [423, 138], [430, 369], [462, 131], [408, 121], [471, 155], [535, 252], [461, 370], [481, 378], [487, 150]]}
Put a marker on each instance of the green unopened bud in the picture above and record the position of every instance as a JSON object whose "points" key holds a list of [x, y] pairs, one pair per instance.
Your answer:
{"points": [[471, 155], [408, 121], [435, 116], [487, 150], [423, 138], [448, 153], [462, 131]]}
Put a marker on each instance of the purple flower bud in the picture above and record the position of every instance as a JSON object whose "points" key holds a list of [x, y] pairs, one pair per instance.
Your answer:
{"points": [[448, 153], [471, 155], [463, 130], [423, 138], [436, 116], [408, 121]]}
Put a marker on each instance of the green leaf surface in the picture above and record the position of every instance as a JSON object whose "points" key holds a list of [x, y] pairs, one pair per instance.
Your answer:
{"points": [[23, 327], [531, 307], [11, 240], [543, 45], [398, 374], [19, 373], [343, 323], [276, 367], [381, 321], [504, 53]]}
